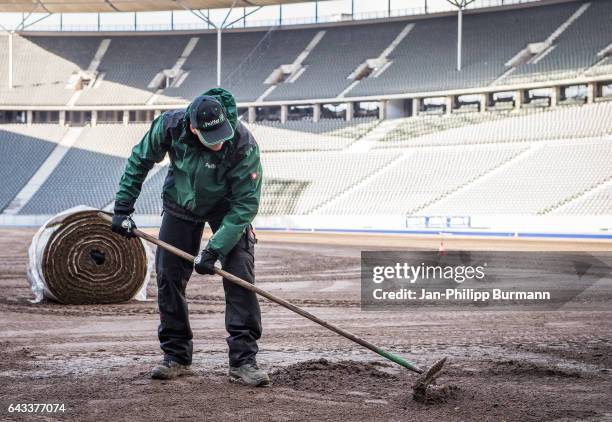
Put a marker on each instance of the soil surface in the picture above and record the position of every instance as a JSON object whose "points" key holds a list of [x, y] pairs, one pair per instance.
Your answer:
{"points": [[503, 365]]}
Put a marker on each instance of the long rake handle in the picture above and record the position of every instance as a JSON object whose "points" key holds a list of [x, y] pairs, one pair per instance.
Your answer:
{"points": [[246, 285]]}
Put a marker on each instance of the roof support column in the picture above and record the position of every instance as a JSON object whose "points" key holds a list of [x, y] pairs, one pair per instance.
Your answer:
{"points": [[382, 109], [416, 106], [219, 30], [460, 5], [316, 112], [10, 60], [518, 99], [252, 114], [555, 94], [350, 111], [284, 113], [483, 101], [448, 103], [591, 92], [459, 36]]}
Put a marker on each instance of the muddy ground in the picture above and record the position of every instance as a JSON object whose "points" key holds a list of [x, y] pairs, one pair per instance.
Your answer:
{"points": [[504, 365]]}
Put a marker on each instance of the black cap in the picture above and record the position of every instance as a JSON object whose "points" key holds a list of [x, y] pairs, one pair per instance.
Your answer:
{"points": [[208, 118]]}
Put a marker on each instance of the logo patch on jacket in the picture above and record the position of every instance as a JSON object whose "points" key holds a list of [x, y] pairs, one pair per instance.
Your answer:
{"points": [[210, 166], [253, 176]]}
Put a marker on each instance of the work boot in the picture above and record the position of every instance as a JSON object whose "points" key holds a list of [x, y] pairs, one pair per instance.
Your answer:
{"points": [[169, 369], [250, 374]]}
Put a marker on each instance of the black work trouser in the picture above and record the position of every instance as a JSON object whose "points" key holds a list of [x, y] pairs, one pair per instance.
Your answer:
{"points": [[242, 313]]}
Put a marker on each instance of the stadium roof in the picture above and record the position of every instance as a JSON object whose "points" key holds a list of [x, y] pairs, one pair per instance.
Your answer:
{"points": [[93, 6]]}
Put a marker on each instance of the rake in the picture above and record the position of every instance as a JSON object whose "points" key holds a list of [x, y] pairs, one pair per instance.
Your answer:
{"points": [[427, 376]]}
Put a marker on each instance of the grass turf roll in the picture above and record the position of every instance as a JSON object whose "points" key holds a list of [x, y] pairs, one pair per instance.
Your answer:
{"points": [[81, 261]]}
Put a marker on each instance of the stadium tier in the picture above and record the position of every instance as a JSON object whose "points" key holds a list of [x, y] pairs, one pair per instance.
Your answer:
{"points": [[426, 58], [344, 60], [332, 134], [128, 67], [526, 154], [339, 52], [250, 59], [523, 125], [537, 181], [596, 202], [578, 47], [149, 201], [22, 151], [42, 68], [553, 161], [89, 171], [420, 176]]}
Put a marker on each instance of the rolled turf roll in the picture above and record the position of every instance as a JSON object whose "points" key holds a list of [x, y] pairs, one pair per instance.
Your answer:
{"points": [[81, 261]]}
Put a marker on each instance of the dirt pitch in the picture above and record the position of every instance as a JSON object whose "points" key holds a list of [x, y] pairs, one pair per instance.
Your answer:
{"points": [[512, 366]]}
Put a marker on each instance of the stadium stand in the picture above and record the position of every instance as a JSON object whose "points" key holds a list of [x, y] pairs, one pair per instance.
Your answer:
{"points": [[90, 171], [249, 58], [420, 176], [300, 135], [118, 83], [294, 136], [491, 40], [23, 149], [603, 67], [201, 64], [431, 173], [280, 47], [426, 59], [409, 131], [38, 84], [295, 181], [322, 175], [548, 175], [576, 49], [522, 125], [149, 202], [526, 160], [334, 58], [597, 202]]}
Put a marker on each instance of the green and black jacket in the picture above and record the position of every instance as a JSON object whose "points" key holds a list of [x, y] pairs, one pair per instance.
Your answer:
{"points": [[201, 184]]}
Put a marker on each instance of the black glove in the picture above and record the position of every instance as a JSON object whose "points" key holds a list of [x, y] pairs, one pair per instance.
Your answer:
{"points": [[205, 262], [124, 225]]}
